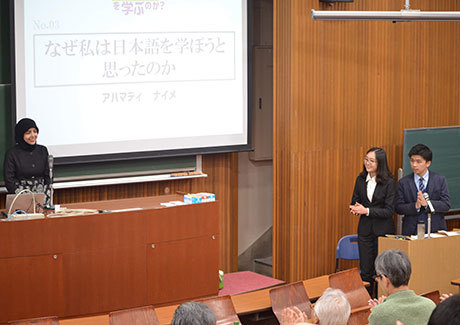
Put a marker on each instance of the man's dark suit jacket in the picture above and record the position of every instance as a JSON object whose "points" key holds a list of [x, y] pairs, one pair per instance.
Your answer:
{"points": [[381, 209], [407, 196]]}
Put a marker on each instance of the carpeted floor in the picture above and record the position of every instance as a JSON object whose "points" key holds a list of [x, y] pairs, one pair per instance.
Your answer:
{"points": [[239, 282]]}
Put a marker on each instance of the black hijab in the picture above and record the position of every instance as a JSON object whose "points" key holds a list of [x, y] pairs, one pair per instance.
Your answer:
{"points": [[22, 127]]}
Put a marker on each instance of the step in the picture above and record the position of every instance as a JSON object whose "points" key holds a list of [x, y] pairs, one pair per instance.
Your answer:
{"points": [[264, 266]]}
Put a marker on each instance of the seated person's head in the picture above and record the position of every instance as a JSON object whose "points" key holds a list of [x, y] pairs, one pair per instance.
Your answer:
{"points": [[332, 308], [193, 313], [447, 312], [393, 269]]}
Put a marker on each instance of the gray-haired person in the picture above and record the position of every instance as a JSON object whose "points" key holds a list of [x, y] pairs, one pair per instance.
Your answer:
{"points": [[332, 308], [393, 271], [193, 313]]}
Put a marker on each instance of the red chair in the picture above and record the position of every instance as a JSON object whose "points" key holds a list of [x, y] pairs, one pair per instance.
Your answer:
{"points": [[434, 296], [223, 309], [53, 320], [350, 283], [359, 316], [290, 295], [139, 316]]}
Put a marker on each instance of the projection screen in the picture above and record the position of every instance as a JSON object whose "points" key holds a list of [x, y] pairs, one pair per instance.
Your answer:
{"points": [[104, 77]]}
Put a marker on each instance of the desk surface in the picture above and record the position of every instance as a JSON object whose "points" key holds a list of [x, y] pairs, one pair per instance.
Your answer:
{"points": [[151, 202], [245, 303]]}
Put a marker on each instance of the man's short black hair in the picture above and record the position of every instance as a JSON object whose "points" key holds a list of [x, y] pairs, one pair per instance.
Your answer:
{"points": [[421, 150], [447, 312]]}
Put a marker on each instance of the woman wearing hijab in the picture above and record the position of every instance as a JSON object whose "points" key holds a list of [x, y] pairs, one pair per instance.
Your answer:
{"points": [[26, 163]]}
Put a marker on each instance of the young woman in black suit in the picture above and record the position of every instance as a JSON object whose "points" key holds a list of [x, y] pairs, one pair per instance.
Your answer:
{"points": [[373, 200]]}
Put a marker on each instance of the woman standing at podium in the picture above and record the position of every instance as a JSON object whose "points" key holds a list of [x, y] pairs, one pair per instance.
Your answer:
{"points": [[26, 163], [373, 200]]}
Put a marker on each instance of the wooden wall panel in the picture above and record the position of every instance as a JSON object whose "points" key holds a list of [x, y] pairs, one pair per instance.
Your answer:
{"points": [[222, 170], [341, 88]]}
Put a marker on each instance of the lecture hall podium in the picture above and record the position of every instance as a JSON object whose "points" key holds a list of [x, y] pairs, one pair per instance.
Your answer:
{"points": [[99, 263], [435, 261]]}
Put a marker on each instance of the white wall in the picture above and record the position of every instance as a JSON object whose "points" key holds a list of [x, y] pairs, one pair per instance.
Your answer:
{"points": [[255, 200]]}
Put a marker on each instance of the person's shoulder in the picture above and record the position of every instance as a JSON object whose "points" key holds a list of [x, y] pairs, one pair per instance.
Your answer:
{"points": [[426, 302], [42, 148], [434, 175], [12, 150], [406, 179], [389, 181], [361, 177], [379, 312]]}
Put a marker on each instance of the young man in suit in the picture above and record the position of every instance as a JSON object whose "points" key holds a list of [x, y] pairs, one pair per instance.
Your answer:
{"points": [[410, 201]]}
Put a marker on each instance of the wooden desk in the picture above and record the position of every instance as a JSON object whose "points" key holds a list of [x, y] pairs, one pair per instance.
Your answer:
{"points": [[434, 261], [254, 301], [109, 261], [456, 282], [245, 303]]}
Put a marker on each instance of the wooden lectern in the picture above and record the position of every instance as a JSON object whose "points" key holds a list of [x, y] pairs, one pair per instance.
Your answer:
{"points": [[435, 261]]}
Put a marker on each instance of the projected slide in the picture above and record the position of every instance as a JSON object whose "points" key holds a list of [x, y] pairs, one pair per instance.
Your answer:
{"points": [[104, 76]]}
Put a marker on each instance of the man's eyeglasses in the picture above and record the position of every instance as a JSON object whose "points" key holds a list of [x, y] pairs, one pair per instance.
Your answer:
{"points": [[378, 276]]}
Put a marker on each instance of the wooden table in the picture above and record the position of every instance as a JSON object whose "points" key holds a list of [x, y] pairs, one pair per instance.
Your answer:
{"points": [[94, 264], [244, 303]]}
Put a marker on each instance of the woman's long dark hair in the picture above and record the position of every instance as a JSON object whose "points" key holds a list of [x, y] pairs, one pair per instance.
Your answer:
{"points": [[383, 173]]}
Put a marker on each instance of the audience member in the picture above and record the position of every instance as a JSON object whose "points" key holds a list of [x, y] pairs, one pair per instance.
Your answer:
{"points": [[444, 296], [447, 312], [393, 270], [193, 313], [332, 308], [293, 316]]}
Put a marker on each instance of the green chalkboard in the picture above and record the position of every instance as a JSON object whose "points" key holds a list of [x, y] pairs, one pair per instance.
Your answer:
{"points": [[444, 142], [75, 171], [124, 168]]}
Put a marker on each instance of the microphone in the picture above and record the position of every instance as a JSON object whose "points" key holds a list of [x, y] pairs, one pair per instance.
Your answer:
{"points": [[428, 201], [50, 162], [50, 166]]}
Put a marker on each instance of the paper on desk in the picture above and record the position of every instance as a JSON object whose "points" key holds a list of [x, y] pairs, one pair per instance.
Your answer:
{"points": [[440, 234], [173, 203]]}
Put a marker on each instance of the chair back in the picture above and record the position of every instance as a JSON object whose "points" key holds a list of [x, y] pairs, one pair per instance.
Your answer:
{"points": [[350, 283], [139, 316], [53, 320], [223, 309], [290, 295], [359, 317], [347, 249], [433, 295]]}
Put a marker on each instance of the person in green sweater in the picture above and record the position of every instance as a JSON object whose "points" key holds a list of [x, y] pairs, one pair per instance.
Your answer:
{"points": [[393, 271]]}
